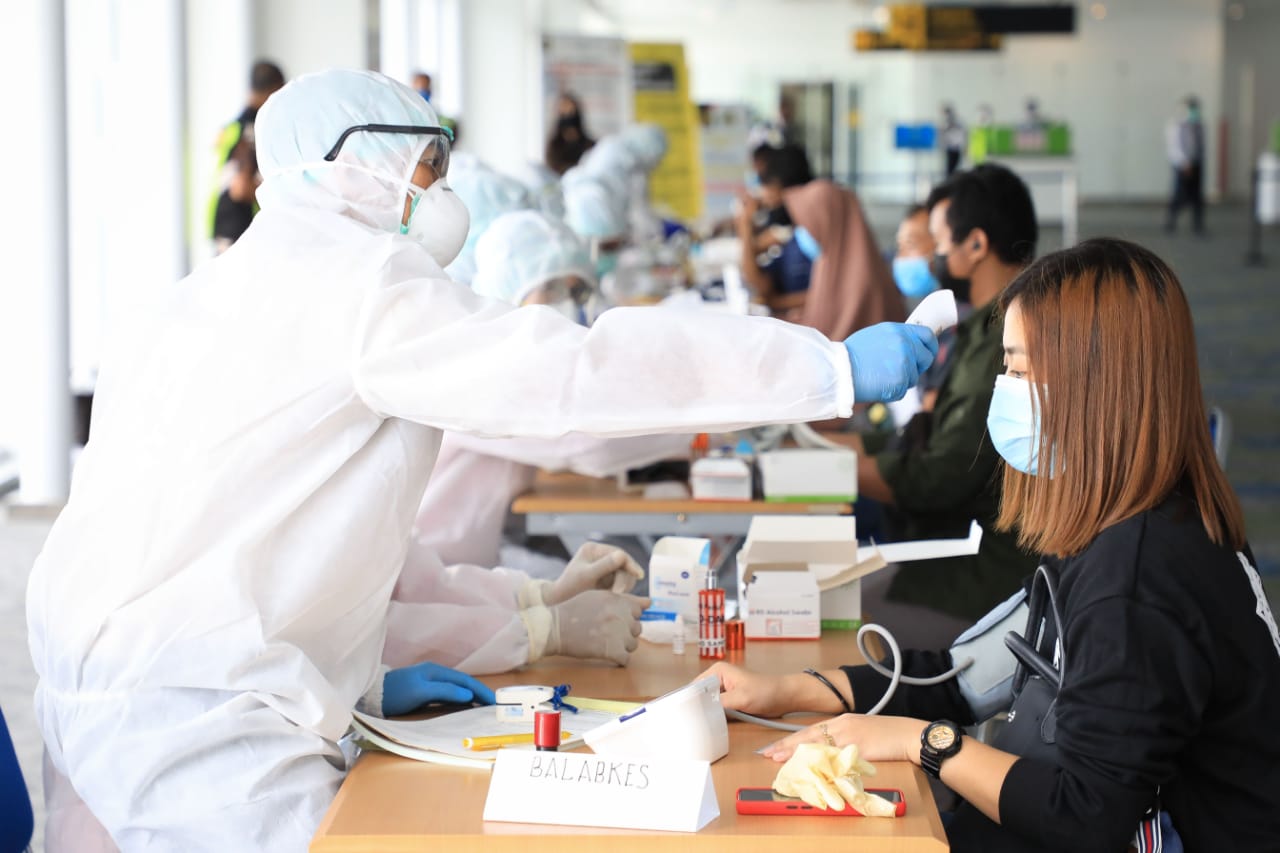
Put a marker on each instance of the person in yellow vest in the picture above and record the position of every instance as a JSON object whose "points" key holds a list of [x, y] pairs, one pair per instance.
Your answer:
{"points": [[233, 204]]}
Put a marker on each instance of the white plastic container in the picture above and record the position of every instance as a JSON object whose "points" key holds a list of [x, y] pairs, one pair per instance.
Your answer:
{"points": [[688, 723], [724, 478]]}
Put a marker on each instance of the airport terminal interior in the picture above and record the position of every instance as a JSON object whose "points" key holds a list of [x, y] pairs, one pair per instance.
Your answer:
{"points": [[713, 162]]}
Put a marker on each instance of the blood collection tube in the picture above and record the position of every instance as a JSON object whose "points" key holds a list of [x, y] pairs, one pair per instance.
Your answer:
{"points": [[546, 730]]}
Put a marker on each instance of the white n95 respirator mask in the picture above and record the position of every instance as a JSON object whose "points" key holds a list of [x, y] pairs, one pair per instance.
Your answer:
{"points": [[439, 221]]}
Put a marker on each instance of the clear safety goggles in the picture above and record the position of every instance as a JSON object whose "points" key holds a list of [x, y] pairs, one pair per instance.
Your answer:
{"points": [[436, 154], [570, 289]]}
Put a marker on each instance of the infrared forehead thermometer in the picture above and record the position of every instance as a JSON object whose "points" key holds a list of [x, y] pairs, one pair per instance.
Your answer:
{"points": [[937, 312]]}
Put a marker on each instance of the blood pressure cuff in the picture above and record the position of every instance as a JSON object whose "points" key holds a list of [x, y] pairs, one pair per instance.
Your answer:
{"points": [[987, 683]]}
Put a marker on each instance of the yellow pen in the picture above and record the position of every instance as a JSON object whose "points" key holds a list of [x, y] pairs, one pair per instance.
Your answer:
{"points": [[499, 741]]}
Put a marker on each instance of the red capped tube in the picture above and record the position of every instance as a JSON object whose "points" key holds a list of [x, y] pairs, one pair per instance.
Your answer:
{"points": [[546, 730]]}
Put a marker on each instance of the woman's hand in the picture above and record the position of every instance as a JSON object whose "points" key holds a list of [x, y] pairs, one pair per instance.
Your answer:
{"points": [[878, 738], [754, 692]]}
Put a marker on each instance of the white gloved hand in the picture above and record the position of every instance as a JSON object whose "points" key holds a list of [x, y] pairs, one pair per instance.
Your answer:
{"points": [[595, 566], [827, 777], [596, 624]]}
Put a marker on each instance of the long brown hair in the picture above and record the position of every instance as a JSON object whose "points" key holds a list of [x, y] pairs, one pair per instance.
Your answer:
{"points": [[1122, 418]]}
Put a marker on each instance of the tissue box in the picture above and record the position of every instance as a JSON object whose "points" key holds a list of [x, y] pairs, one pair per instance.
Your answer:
{"points": [[724, 478], [783, 602], [799, 475], [678, 568]]}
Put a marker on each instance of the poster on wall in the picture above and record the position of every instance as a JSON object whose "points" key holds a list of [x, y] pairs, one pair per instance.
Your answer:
{"points": [[660, 80], [597, 72], [725, 156]]}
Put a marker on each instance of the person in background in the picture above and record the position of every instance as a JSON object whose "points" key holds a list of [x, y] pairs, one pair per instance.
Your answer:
{"points": [[235, 203], [596, 208], [773, 262], [422, 85], [569, 139], [850, 283], [954, 139], [939, 475], [211, 604], [913, 256], [1185, 146], [1168, 656], [913, 272]]}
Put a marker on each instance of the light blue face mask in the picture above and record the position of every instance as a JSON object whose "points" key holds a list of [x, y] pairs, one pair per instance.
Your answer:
{"points": [[807, 244], [913, 277], [1013, 423], [752, 180]]}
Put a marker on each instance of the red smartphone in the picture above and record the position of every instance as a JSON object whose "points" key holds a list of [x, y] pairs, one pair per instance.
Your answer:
{"points": [[769, 801]]}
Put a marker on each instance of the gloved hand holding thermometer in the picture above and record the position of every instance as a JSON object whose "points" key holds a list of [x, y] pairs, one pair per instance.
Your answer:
{"points": [[887, 359]]}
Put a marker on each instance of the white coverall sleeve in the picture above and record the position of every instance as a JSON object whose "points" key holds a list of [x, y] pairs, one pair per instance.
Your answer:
{"points": [[424, 579], [465, 617], [476, 639], [430, 351], [581, 454]]}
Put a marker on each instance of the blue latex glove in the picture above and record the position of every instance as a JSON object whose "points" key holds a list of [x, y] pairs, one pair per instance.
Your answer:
{"points": [[887, 359], [410, 687]]}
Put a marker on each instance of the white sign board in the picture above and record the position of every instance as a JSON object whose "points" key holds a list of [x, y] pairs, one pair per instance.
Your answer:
{"points": [[595, 70], [581, 789]]}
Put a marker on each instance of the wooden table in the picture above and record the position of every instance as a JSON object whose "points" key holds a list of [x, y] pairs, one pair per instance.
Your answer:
{"points": [[393, 804], [574, 504], [576, 508]]}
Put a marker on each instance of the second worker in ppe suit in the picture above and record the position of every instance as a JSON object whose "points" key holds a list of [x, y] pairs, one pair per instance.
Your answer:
{"points": [[211, 603], [485, 621]]}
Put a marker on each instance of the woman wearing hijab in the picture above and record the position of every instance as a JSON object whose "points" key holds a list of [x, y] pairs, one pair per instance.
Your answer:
{"points": [[850, 284]]}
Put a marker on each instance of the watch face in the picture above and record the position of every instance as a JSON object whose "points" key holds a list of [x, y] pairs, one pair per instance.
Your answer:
{"points": [[941, 737]]}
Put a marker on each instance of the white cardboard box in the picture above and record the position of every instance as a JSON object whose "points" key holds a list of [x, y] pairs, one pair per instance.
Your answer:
{"points": [[783, 604], [725, 478], [805, 475], [827, 546]]}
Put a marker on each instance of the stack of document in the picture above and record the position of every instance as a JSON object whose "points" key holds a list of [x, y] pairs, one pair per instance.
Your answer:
{"points": [[440, 739]]}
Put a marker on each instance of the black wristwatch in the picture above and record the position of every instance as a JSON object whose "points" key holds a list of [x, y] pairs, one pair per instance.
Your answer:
{"points": [[939, 741]]}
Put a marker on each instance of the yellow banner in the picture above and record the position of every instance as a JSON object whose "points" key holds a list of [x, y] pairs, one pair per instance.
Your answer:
{"points": [[661, 83]]}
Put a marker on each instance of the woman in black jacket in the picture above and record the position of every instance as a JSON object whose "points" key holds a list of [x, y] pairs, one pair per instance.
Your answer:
{"points": [[1169, 656]]}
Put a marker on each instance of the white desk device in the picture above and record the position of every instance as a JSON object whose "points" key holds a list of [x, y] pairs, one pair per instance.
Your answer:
{"points": [[687, 723]]}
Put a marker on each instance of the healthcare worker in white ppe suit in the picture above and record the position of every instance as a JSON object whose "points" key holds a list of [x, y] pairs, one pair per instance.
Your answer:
{"points": [[486, 621], [212, 602]]}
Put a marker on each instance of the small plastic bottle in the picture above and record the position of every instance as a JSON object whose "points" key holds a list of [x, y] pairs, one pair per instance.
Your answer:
{"points": [[677, 639]]}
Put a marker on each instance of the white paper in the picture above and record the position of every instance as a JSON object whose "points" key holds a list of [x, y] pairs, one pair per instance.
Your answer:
{"points": [[576, 789], [444, 734], [925, 549]]}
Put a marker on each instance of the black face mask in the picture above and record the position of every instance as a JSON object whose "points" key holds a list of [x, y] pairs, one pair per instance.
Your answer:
{"points": [[958, 286]]}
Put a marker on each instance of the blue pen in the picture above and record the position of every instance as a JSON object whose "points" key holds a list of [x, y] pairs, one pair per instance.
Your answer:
{"points": [[631, 716]]}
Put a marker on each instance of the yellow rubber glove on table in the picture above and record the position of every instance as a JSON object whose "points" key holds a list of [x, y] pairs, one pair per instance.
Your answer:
{"points": [[828, 777]]}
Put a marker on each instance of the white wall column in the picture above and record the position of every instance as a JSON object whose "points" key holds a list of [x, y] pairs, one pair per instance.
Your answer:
{"points": [[501, 118], [36, 368]]}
